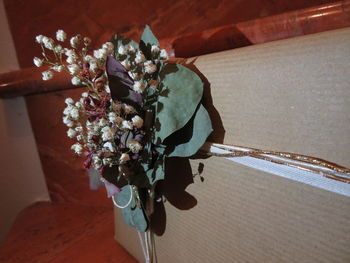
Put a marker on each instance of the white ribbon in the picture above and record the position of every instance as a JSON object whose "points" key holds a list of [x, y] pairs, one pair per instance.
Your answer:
{"points": [[292, 173]]}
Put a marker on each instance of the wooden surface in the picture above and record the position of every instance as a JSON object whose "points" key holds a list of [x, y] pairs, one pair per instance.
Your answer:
{"points": [[290, 24], [63, 232], [100, 19]]}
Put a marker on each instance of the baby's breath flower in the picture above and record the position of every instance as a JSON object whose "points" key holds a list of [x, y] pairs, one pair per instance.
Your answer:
{"points": [[127, 124], [68, 122], [71, 59], [97, 162], [109, 47], [135, 76], [107, 161], [112, 117], [58, 49], [126, 64], [155, 49], [69, 101], [87, 41], [93, 65], [124, 158], [122, 50], [139, 86], [109, 146], [79, 128], [79, 105], [49, 43], [150, 68], [71, 133], [74, 113], [163, 54], [39, 39], [128, 109], [61, 35], [58, 68], [38, 62], [74, 69], [85, 94], [107, 133], [77, 148], [137, 121], [46, 75], [70, 52], [76, 81], [100, 53], [74, 41], [139, 57], [131, 49], [134, 146], [89, 58], [102, 122]]}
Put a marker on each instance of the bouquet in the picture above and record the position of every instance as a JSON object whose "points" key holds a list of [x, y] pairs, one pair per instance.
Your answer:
{"points": [[138, 109]]}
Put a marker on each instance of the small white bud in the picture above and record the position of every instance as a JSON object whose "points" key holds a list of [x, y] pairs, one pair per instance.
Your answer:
{"points": [[150, 68], [71, 133], [73, 69], [49, 43], [69, 101], [122, 50], [58, 49], [134, 146], [126, 64], [131, 49], [39, 39], [163, 54], [58, 68], [139, 57], [74, 41], [155, 49], [38, 62], [47, 75], [126, 125], [76, 81], [137, 121], [61, 35], [138, 86]]}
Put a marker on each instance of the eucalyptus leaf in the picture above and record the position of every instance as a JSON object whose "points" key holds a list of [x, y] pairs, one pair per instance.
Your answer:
{"points": [[133, 215], [156, 172], [184, 90], [196, 130], [148, 37]]}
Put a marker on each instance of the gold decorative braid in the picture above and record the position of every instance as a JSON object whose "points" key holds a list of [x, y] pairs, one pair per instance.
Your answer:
{"points": [[302, 162]]}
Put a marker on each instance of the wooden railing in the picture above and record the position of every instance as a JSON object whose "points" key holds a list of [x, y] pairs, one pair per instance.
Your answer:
{"points": [[295, 23]]}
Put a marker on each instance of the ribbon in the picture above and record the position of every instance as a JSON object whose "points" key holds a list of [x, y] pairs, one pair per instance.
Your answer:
{"points": [[302, 168]]}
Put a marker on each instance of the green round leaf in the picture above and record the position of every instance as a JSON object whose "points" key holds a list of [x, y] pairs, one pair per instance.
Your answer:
{"points": [[148, 37], [133, 215], [181, 92], [187, 141]]}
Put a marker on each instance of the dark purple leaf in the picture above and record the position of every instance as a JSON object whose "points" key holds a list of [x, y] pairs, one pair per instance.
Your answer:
{"points": [[120, 83]]}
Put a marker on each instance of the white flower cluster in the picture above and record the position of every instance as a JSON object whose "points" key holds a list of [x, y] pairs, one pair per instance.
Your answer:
{"points": [[76, 59], [99, 135], [139, 68], [95, 121]]}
